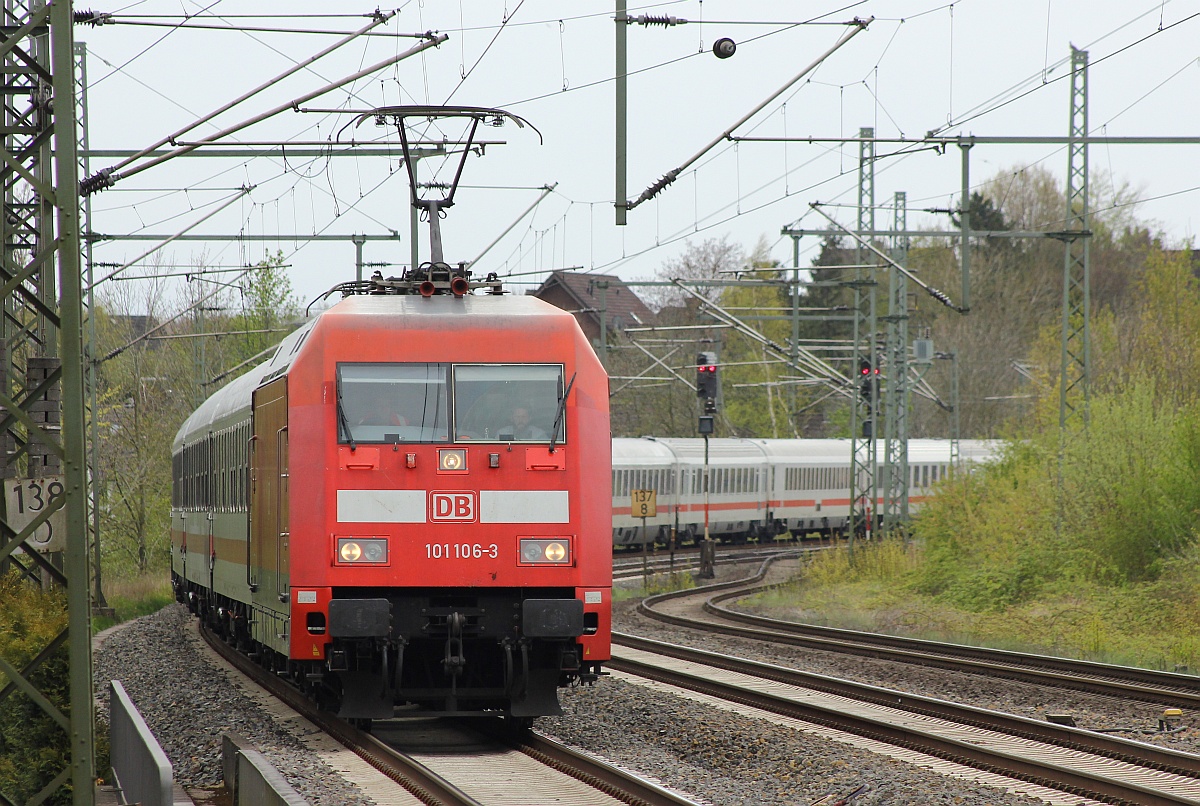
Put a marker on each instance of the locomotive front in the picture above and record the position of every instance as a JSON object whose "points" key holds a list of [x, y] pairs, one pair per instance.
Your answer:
{"points": [[434, 476]]}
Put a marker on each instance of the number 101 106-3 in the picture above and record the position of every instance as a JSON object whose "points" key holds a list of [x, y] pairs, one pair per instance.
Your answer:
{"points": [[460, 551]]}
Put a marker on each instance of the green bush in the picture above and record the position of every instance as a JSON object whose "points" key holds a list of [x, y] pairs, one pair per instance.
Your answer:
{"points": [[33, 748], [1130, 492]]}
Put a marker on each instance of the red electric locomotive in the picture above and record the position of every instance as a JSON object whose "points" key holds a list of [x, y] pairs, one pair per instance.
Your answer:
{"points": [[409, 503]]}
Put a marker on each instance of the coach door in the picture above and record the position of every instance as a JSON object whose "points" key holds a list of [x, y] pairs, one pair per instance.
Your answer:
{"points": [[269, 492]]}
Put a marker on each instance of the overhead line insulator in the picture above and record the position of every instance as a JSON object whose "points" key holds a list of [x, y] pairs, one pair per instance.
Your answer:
{"points": [[649, 20], [96, 182], [92, 18]]}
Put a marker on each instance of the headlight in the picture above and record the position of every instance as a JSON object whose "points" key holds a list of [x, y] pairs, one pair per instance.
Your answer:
{"points": [[361, 550], [545, 551], [452, 460]]}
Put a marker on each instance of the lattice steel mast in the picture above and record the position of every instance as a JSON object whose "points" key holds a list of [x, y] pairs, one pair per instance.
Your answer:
{"points": [[42, 360], [863, 408], [896, 389], [1076, 331]]}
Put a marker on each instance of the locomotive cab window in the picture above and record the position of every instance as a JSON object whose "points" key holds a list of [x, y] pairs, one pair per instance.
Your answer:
{"points": [[508, 402], [393, 403]]}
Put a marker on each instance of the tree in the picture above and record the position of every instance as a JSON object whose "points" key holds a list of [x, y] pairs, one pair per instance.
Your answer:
{"points": [[1016, 295], [662, 407], [826, 316], [666, 406], [268, 308], [711, 259], [759, 389], [141, 404]]}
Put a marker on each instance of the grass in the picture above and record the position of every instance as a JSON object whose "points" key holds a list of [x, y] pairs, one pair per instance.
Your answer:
{"points": [[1137, 625], [133, 597], [657, 583]]}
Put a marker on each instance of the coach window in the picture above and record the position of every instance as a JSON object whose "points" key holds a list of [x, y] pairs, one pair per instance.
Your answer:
{"points": [[508, 402], [392, 403]]}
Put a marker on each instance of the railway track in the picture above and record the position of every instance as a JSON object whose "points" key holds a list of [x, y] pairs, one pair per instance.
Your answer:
{"points": [[630, 565], [1084, 763], [701, 608], [444, 762]]}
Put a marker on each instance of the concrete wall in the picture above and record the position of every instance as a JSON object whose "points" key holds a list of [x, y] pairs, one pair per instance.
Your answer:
{"points": [[252, 779]]}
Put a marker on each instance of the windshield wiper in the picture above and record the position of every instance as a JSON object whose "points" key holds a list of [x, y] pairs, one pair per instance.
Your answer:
{"points": [[345, 424], [562, 409]]}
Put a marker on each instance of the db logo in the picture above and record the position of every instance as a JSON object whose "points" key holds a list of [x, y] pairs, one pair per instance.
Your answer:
{"points": [[452, 506]]}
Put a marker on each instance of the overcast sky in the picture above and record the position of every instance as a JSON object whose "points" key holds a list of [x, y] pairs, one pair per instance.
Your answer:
{"points": [[969, 67]]}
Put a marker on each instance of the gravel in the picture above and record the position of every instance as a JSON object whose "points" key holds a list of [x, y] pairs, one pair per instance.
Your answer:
{"points": [[717, 756], [723, 758], [188, 702]]}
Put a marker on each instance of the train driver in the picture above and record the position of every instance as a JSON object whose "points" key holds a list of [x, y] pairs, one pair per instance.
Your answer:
{"points": [[520, 428]]}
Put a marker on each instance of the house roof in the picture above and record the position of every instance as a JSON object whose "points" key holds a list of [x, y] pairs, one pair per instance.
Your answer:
{"points": [[623, 307]]}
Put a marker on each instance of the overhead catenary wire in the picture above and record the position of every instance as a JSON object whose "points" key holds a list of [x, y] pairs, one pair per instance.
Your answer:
{"points": [[546, 191], [149, 333], [715, 222], [255, 28], [467, 73], [804, 361], [151, 46], [239, 195], [379, 19], [940, 296], [107, 176], [903, 152], [711, 220], [857, 26]]}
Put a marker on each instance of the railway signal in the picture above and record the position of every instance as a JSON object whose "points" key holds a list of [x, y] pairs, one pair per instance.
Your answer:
{"points": [[707, 387], [869, 377], [707, 383]]}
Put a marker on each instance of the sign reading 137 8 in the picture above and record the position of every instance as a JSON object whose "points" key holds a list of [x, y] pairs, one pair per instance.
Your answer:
{"points": [[27, 499], [645, 503]]}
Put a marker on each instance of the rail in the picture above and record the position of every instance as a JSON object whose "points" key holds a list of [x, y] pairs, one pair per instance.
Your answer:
{"points": [[1126, 772]]}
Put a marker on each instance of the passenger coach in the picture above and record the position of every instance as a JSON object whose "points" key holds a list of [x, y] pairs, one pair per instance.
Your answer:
{"points": [[758, 488]]}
